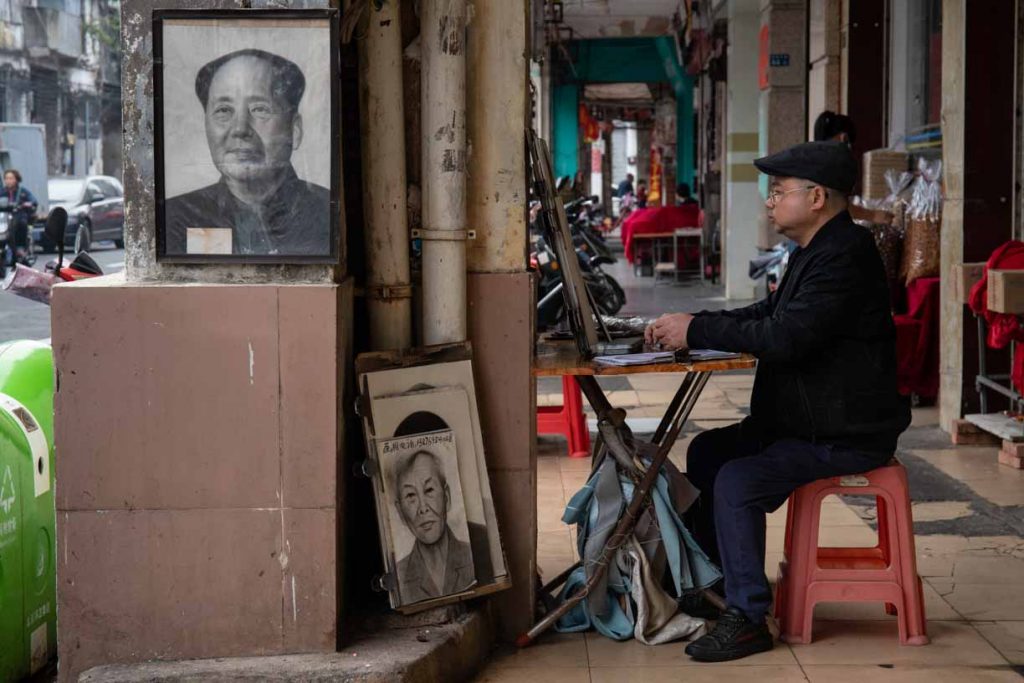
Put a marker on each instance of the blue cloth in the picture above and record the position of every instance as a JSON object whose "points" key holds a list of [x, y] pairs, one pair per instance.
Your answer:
{"points": [[741, 479], [596, 509]]}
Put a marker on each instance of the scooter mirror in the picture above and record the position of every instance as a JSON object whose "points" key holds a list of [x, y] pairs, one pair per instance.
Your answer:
{"points": [[56, 224]]}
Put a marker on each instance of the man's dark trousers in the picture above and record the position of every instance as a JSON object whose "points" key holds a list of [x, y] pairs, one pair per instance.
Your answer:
{"points": [[741, 479]]}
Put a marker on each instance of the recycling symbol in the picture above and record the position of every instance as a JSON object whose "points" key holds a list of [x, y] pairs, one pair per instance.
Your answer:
{"points": [[7, 491]]}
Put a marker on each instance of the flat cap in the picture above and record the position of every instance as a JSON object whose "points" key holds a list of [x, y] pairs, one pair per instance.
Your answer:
{"points": [[826, 163]]}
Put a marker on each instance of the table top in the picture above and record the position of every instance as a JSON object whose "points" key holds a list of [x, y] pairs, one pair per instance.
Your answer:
{"points": [[560, 357], [653, 235]]}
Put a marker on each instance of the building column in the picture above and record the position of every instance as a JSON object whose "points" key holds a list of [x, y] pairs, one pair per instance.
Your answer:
{"points": [[977, 119], [783, 78], [824, 76], [742, 204], [863, 72], [501, 296]]}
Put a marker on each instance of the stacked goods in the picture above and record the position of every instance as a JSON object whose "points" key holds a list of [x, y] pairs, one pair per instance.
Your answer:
{"points": [[885, 218], [876, 163], [921, 246]]}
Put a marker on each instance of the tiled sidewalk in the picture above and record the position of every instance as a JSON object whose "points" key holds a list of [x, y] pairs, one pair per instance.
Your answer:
{"points": [[969, 521]]}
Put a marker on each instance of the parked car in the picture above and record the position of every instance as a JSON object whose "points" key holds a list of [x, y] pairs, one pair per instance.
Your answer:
{"points": [[95, 206]]}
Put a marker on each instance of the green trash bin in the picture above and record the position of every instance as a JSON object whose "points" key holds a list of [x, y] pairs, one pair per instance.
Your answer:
{"points": [[28, 588]]}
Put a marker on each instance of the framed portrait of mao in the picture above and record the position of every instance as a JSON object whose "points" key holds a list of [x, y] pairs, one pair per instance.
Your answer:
{"points": [[246, 145]]}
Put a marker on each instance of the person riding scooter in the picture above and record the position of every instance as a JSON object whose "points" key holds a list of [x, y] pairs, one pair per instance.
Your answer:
{"points": [[23, 205]]}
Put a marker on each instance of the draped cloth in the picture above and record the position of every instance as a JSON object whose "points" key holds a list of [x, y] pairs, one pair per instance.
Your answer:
{"points": [[657, 563]]}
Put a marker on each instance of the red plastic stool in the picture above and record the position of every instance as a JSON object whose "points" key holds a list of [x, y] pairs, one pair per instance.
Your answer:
{"points": [[567, 419], [886, 573]]}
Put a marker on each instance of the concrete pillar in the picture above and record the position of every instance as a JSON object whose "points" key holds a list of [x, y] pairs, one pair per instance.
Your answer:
{"points": [[978, 179], [742, 205], [824, 77], [782, 105], [199, 504], [500, 291], [643, 152], [496, 102]]}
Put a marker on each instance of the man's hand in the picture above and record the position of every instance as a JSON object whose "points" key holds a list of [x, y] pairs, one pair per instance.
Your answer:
{"points": [[669, 331]]}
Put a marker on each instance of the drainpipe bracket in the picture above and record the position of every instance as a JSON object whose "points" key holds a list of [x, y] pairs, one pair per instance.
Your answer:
{"points": [[387, 292], [443, 235]]}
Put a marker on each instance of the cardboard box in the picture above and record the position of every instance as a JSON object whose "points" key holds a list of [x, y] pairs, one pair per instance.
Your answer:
{"points": [[1006, 291], [965, 276], [876, 163]]}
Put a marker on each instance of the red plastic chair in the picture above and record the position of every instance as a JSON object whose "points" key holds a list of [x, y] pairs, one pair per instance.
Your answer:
{"points": [[886, 573], [567, 419]]}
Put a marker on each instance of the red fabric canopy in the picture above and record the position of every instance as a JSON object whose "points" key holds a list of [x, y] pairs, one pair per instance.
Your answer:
{"points": [[657, 219]]}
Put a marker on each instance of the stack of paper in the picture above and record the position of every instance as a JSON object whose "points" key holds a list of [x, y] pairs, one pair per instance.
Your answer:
{"points": [[628, 359]]}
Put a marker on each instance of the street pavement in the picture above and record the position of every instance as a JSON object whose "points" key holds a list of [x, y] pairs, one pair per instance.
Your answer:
{"points": [[24, 319]]}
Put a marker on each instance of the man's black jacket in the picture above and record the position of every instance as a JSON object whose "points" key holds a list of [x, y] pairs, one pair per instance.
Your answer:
{"points": [[825, 343]]}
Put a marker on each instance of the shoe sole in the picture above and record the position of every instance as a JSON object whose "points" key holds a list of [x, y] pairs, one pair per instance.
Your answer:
{"points": [[755, 647]]}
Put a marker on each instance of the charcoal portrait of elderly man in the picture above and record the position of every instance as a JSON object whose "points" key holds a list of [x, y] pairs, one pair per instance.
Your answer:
{"points": [[439, 563], [260, 206]]}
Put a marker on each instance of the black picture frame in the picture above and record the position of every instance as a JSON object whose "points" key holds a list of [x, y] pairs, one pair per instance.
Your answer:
{"points": [[331, 17]]}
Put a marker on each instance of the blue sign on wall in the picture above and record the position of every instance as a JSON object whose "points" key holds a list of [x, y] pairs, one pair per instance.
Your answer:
{"points": [[781, 59]]}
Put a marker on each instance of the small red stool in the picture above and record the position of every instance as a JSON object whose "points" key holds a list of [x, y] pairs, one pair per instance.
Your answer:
{"points": [[567, 419], [886, 573]]}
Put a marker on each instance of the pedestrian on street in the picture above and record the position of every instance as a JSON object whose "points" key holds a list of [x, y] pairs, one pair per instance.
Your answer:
{"points": [[824, 402], [23, 204]]}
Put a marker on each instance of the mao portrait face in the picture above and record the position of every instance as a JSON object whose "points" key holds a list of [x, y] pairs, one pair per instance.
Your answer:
{"points": [[423, 497], [252, 120], [247, 137]]}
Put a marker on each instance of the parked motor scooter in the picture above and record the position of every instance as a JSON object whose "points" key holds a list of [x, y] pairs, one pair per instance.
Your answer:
{"points": [[608, 296], [771, 265], [33, 284]]}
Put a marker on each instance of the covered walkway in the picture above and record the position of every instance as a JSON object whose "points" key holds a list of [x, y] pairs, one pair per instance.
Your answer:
{"points": [[968, 519]]}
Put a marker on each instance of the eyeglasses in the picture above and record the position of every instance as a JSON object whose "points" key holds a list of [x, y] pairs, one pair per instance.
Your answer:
{"points": [[774, 196]]}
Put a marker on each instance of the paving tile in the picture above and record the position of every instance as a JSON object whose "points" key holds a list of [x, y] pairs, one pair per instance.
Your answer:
{"points": [[1005, 636], [668, 381], [988, 569], [847, 537], [930, 512], [1008, 489], [557, 674], [574, 464], [552, 543], [551, 649], [910, 674], [771, 565], [971, 464], [877, 643], [551, 565], [731, 672], [604, 652], [985, 602]]}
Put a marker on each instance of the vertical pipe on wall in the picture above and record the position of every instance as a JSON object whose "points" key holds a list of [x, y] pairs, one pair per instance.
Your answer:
{"points": [[388, 291], [443, 42]]}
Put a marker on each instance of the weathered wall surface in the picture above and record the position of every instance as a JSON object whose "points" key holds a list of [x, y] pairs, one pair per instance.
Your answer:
{"points": [[199, 437]]}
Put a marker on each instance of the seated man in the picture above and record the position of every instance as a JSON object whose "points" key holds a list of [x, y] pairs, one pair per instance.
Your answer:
{"points": [[824, 401]]}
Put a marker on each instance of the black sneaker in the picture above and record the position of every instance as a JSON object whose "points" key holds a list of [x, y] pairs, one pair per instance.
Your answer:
{"points": [[696, 605], [733, 637]]}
